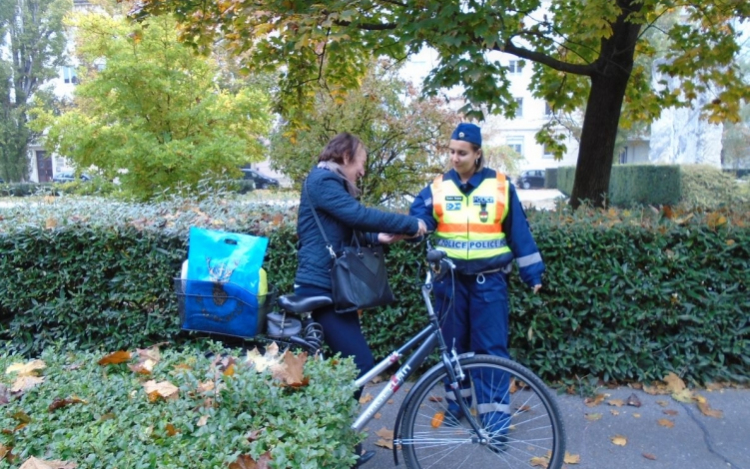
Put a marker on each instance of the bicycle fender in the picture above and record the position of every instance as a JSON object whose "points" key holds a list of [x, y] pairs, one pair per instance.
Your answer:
{"points": [[407, 401]]}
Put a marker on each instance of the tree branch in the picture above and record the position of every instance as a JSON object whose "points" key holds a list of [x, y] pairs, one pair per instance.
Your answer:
{"points": [[368, 26], [544, 59]]}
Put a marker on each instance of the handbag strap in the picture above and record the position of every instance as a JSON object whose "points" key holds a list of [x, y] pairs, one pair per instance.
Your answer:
{"points": [[320, 225]]}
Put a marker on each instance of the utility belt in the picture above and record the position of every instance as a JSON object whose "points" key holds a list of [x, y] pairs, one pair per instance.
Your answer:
{"points": [[480, 277]]}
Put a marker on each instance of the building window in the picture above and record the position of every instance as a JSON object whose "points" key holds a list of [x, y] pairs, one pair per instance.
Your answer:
{"points": [[69, 75], [623, 159], [519, 107], [515, 67], [516, 143]]}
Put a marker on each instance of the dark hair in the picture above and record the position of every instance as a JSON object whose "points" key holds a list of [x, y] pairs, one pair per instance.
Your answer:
{"points": [[480, 161], [340, 148]]}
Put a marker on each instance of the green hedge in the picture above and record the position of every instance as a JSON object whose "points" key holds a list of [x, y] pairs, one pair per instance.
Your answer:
{"points": [[629, 294], [101, 417], [694, 185]]}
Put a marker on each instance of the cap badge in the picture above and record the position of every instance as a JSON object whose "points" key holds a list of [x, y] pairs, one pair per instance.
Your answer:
{"points": [[461, 135]]}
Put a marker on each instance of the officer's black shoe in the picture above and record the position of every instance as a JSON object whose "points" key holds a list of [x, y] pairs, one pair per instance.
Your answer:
{"points": [[363, 457]]}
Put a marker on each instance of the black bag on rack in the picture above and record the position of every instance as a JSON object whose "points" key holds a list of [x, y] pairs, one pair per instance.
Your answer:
{"points": [[358, 276]]}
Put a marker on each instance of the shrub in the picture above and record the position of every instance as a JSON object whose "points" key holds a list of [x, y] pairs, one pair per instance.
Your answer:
{"points": [[102, 416]]}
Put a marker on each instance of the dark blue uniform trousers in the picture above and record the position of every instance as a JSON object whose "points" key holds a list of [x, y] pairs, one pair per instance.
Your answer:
{"points": [[474, 311]]}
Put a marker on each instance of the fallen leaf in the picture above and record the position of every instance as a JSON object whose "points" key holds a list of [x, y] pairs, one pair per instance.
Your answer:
{"points": [[666, 423], [637, 415], [662, 403], [633, 400], [539, 461], [163, 389], [59, 403], [26, 369], [670, 412], [683, 396], [572, 458], [202, 421], [377, 416], [389, 401], [592, 417], [34, 463], [649, 456], [616, 402], [708, 411], [291, 369], [146, 367], [366, 398], [619, 440], [4, 395], [614, 412], [262, 362], [385, 433], [24, 383], [171, 430], [674, 383], [115, 358], [245, 461], [437, 419], [253, 435], [229, 371], [51, 223], [594, 401], [205, 386], [383, 443], [3, 451]]}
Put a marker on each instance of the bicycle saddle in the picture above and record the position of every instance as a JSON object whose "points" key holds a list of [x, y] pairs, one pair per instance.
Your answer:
{"points": [[302, 304]]}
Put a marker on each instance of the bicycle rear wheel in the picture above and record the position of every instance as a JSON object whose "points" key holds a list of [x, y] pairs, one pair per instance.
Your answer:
{"points": [[532, 436]]}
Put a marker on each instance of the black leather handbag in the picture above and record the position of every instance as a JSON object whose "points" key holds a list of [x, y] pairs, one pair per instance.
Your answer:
{"points": [[358, 276]]}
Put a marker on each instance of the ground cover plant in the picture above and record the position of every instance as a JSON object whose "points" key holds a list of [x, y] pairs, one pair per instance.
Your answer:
{"points": [[176, 408]]}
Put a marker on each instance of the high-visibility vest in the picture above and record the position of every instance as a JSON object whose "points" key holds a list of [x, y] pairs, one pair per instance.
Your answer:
{"points": [[471, 226]]}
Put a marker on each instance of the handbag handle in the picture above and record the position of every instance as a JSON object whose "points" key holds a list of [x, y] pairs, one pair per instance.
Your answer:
{"points": [[320, 225]]}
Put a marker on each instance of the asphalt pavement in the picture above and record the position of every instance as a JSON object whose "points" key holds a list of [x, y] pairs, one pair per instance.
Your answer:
{"points": [[709, 431]]}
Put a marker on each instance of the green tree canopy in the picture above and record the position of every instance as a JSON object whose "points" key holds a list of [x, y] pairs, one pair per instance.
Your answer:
{"points": [[406, 137], [32, 47], [148, 110], [583, 54]]}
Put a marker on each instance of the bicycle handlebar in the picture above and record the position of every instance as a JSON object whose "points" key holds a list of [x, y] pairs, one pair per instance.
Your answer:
{"points": [[441, 265]]}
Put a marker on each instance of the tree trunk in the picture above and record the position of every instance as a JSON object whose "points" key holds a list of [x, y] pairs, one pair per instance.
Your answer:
{"points": [[608, 84]]}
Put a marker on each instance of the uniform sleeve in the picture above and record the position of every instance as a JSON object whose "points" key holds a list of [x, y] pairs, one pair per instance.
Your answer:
{"points": [[521, 242], [422, 208]]}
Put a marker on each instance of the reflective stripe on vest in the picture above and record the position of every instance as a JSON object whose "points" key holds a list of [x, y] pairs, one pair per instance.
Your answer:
{"points": [[470, 226]]}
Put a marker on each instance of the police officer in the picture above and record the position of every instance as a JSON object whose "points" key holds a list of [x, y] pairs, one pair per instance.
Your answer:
{"points": [[479, 222]]}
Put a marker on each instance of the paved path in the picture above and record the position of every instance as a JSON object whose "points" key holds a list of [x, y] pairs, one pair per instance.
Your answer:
{"points": [[695, 441]]}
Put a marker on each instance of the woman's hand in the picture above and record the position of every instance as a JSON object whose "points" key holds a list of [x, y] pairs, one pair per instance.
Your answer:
{"points": [[537, 288], [422, 228], [389, 238]]}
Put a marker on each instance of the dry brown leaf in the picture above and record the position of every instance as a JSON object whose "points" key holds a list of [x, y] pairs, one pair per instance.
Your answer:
{"points": [[619, 440], [291, 369], [153, 353], [4, 450], [637, 415], [666, 423], [262, 362], [594, 401], [662, 403], [163, 389], [115, 358], [51, 223], [171, 430], [614, 412], [202, 421], [708, 411], [539, 462], [593, 417], [616, 402], [389, 401], [26, 369], [24, 383], [649, 456], [685, 395], [59, 403], [229, 371], [205, 386], [674, 383], [366, 398], [253, 435], [145, 367], [245, 461], [633, 401], [670, 412], [385, 433], [383, 443], [572, 458], [377, 416], [34, 463]]}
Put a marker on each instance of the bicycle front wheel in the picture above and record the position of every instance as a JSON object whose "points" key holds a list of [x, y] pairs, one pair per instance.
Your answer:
{"points": [[527, 433]]}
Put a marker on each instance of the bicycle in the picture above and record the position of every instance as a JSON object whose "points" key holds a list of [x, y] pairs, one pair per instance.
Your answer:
{"points": [[428, 434]]}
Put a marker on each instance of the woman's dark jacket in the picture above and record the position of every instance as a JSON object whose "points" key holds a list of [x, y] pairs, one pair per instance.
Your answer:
{"points": [[340, 214]]}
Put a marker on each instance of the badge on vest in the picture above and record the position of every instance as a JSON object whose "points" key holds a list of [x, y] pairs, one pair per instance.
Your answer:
{"points": [[483, 215], [483, 200]]}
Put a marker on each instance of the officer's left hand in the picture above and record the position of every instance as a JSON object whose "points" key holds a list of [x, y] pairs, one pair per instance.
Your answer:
{"points": [[537, 288]]}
